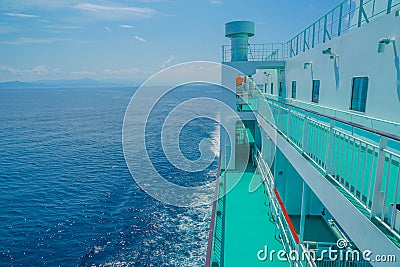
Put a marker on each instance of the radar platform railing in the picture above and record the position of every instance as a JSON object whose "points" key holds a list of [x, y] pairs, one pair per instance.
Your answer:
{"points": [[257, 52]]}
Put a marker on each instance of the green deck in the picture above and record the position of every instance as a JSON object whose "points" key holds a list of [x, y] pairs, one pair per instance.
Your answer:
{"points": [[247, 228], [249, 136]]}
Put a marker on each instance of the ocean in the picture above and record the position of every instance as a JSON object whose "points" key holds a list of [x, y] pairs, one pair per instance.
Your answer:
{"points": [[67, 197]]}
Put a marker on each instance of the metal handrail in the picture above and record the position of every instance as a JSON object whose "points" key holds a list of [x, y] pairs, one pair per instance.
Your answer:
{"points": [[283, 219], [212, 223], [258, 52], [339, 20], [377, 174], [352, 124], [342, 18], [337, 113]]}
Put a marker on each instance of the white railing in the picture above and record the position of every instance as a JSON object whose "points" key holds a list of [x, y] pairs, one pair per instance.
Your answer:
{"points": [[289, 238], [367, 170]]}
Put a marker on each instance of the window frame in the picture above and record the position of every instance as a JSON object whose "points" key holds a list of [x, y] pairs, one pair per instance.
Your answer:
{"points": [[313, 100], [294, 89], [351, 108]]}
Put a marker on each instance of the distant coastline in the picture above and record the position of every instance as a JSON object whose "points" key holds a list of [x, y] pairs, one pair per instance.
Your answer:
{"points": [[69, 83]]}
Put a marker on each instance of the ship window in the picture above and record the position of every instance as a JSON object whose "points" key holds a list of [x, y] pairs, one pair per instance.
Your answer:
{"points": [[294, 88], [315, 91], [359, 94], [272, 88], [281, 89]]}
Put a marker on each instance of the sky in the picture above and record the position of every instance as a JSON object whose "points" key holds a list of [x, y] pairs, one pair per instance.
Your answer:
{"points": [[133, 39]]}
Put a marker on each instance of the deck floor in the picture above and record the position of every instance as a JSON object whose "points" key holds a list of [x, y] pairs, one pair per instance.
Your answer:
{"points": [[248, 228]]}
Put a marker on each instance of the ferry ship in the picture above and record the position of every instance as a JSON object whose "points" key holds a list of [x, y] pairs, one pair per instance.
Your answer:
{"points": [[310, 172]]}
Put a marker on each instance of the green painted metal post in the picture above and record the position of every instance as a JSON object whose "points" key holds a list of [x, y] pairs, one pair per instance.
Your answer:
{"points": [[389, 7], [360, 13], [325, 30], [291, 47], [305, 135], [313, 35], [378, 194], [329, 149], [304, 208], [340, 19], [394, 207], [288, 123]]}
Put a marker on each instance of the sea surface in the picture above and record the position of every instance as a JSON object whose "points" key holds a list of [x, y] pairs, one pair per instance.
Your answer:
{"points": [[67, 197]]}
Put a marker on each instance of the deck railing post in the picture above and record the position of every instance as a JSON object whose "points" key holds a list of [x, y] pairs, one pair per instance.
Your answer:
{"points": [[305, 135], [378, 194], [340, 19], [329, 148], [360, 13], [304, 207], [325, 30], [389, 7], [291, 47], [288, 124], [313, 35]]}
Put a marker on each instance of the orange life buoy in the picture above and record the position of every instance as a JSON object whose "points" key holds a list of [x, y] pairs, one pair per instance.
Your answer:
{"points": [[239, 80]]}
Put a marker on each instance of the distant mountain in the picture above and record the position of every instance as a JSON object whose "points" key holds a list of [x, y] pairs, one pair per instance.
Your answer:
{"points": [[64, 83], [14, 84]]}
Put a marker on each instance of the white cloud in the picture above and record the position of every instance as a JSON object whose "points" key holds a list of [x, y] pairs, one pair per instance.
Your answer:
{"points": [[5, 29], [20, 15], [126, 26], [140, 39], [8, 69], [62, 27], [27, 40], [84, 73], [107, 29], [116, 11], [123, 73], [41, 70], [168, 62], [38, 70]]}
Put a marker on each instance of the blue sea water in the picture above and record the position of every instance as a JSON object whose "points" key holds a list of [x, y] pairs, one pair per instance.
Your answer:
{"points": [[66, 195]]}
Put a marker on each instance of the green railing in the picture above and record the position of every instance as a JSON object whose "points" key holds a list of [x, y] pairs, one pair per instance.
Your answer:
{"points": [[350, 116], [347, 15], [358, 159], [285, 229], [215, 247], [258, 52]]}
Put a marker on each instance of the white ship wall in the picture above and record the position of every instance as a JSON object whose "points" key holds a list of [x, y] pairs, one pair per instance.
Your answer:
{"points": [[357, 57]]}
